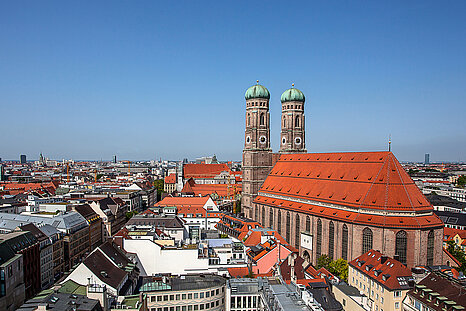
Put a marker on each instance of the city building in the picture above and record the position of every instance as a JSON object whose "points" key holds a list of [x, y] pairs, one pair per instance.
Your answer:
{"points": [[436, 292], [427, 159], [25, 244], [384, 280], [46, 254], [95, 224], [185, 292], [169, 185], [22, 159], [446, 204], [112, 211], [12, 286]]}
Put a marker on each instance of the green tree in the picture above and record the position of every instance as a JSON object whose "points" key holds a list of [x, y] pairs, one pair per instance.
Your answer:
{"points": [[339, 267], [458, 253], [461, 181], [158, 184], [129, 215], [323, 262]]}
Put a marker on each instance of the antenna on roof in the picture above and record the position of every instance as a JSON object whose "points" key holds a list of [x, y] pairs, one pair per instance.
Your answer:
{"points": [[390, 142]]}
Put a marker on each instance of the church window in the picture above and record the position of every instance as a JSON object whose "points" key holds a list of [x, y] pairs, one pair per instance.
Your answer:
{"points": [[263, 216], [288, 227], [279, 222], [257, 214], [297, 233], [344, 243], [271, 218], [308, 224], [430, 248], [331, 239], [366, 240], [249, 119], [262, 119], [284, 122], [296, 123], [319, 238], [401, 244]]}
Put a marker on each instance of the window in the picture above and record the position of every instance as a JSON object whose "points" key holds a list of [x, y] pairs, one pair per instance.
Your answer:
{"points": [[397, 305], [366, 240], [401, 246], [262, 119], [319, 238], [284, 122], [165, 298], [430, 248], [331, 239], [190, 296], [172, 297], [263, 216], [201, 295], [296, 123], [308, 224], [344, 243], [288, 227], [397, 293], [297, 232], [183, 296], [271, 218], [159, 298], [279, 222]]}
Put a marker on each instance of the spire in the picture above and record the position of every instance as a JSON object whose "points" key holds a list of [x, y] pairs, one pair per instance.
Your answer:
{"points": [[257, 81], [390, 142], [292, 85]]}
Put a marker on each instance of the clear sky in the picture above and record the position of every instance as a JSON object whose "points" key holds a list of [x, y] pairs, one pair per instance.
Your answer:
{"points": [[166, 79]]}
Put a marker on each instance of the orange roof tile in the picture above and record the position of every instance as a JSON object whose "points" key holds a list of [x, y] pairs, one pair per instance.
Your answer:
{"points": [[354, 186], [170, 179], [204, 170]]}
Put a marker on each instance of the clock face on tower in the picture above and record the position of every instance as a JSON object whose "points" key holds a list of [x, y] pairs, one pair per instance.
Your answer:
{"points": [[283, 140], [297, 140], [248, 140], [263, 139]]}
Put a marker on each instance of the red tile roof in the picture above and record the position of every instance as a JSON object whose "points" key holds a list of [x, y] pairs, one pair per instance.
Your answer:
{"points": [[222, 190], [183, 202], [204, 170], [385, 270], [348, 186], [170, 179]]}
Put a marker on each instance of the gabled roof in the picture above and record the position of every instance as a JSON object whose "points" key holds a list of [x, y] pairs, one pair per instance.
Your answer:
{"points": [[204, 170], [387, 271], [183, 202], [104, 269], [348, 186], [170, 179], [222, 190]]}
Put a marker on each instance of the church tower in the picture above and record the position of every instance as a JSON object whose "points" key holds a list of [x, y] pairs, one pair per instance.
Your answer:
{"points": [[257, 154], [292, 138]]}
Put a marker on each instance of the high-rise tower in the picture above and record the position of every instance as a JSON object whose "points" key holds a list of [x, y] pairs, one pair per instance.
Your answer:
{"points": [[257, 154], [292, 138]]}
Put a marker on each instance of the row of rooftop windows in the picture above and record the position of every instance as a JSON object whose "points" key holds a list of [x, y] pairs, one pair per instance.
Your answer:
{"points": [[187, 296], [195, 307]]}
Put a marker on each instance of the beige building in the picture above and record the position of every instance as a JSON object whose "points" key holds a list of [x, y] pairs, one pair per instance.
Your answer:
{"points": [[385, 281], [185, 293], [350, 297]]}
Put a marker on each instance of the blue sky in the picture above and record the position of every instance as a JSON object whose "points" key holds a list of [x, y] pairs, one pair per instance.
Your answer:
{"points": [[166, 79]]}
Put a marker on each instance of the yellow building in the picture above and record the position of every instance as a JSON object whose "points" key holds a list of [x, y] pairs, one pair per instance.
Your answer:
{"points": [[385, 281]]}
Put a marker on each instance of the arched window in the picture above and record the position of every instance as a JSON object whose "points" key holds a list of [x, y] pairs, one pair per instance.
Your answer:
{"points": [[430, 248], [296, 122], [279, 222], [256, 216], [262, 119], [344, 243], [319, 238], [366, 240], [297, 234], [284, 121], [331, 239], [308, 224], [271, 218], [288, 228], [263, 216], [401, 245], [249, 119]]}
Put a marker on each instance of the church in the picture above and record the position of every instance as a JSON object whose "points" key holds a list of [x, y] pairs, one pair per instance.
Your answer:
{"points": [[338, 204]]}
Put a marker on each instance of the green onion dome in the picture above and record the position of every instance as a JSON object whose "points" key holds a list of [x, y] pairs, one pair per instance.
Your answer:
{"points": [[292, 95], [257, 91]]}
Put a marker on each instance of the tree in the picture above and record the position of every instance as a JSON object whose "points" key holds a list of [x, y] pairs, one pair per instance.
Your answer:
{"points": [[340, 268], [461, 181], [323, 262], [130, 214], [458, 253], [158, 184], [337, 267]]}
